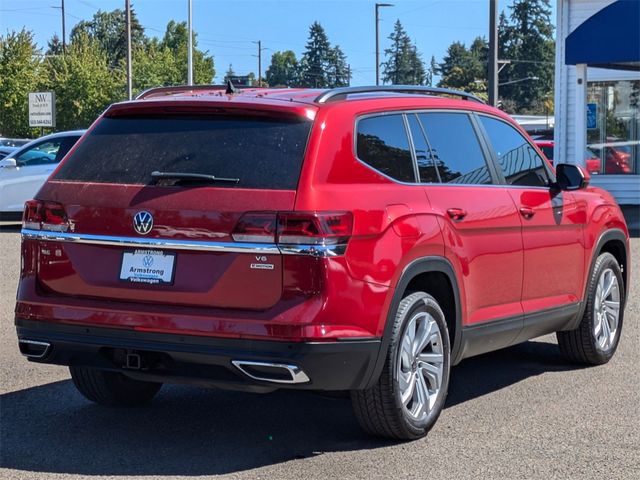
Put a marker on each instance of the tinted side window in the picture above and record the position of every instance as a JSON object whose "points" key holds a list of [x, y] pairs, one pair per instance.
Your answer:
{"points": [[455, 148], [383, 144], [519, 162], [40, 154], [426, 165]]}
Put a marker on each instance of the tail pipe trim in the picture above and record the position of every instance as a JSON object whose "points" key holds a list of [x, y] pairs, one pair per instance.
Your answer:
{"points": [[271, 372]]}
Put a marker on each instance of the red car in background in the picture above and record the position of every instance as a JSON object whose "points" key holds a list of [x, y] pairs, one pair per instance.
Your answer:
{"points": [[592, 161]]}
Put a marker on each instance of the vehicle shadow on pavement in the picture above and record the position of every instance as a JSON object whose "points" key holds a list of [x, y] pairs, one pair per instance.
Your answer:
{"points": [[189, 431]]}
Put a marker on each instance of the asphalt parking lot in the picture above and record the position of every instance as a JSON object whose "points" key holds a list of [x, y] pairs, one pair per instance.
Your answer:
{"points": [[519, 413]]}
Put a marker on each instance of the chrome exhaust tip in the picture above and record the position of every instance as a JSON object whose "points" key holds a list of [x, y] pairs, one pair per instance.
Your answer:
{"points": [[271, 372], [33, 348]]}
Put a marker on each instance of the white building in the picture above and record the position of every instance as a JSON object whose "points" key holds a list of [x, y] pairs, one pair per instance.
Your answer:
{"points": [[597, 93]]}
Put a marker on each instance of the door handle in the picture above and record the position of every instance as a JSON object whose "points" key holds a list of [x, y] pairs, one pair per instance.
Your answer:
{"points": [[457, 213], [527, 212]]}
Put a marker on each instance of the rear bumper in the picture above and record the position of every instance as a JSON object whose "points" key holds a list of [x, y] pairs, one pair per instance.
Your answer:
{"points": [[206, 361]]}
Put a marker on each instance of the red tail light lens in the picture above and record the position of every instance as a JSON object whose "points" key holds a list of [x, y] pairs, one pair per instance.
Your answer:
{"points": [[32, 215], [317, 228], [257, 227], [45, 216]]}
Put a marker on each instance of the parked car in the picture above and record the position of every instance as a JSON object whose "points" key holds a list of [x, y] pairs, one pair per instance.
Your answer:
{"points": [[13, 142], [4, 151], [358, 239], [24, 170], [591, 160]]}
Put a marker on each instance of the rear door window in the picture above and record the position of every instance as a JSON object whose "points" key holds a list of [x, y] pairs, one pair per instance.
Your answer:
{"points": [[262, 153], [518, 160], [455, 148], [383, 144]]}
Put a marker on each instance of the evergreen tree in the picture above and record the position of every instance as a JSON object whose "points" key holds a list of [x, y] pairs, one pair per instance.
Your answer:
{"points": [[528, 42], [284, 70], [338, 74], [466, 69], [315, 61], [176, 40], [230, 73], [403, 65], [109, 29], [54, 46]]}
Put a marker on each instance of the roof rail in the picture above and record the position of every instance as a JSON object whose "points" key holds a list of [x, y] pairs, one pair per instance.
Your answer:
{"points": [[342, 92], [151, 92]]}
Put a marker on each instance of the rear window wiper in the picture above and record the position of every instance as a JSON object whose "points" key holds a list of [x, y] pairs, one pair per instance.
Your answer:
{"points": [[182, 178]]}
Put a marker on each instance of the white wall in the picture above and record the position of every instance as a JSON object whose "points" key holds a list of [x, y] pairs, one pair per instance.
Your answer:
{"points": [[571, 14]]}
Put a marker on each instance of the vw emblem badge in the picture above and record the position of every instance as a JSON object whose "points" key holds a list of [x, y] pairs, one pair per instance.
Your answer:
{"points": [[142, 222]]}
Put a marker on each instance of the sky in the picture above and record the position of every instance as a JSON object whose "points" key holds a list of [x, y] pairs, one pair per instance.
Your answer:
{"points": [[227, 29]]}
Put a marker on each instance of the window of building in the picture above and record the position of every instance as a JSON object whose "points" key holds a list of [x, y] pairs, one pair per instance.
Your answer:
{"points": [[613, 125]]}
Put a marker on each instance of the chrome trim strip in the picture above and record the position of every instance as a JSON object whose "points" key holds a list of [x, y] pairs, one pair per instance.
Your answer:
{"points": [[160, 243], [313, 250], [195, 245], [297, 375]]}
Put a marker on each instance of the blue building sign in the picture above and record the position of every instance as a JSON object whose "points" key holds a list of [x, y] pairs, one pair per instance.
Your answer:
{"points": [[592, 115]]}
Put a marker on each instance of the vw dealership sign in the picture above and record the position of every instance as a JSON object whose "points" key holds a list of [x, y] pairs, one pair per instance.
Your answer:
{"points": [[42, 109]]}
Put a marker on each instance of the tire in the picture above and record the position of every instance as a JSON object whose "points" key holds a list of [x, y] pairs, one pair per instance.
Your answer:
{"points": [[380, 410], [112, 388], [596, 339]]}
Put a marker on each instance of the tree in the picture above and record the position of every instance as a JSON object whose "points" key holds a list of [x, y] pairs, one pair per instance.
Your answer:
{"points": [[230, 73], [176, 40], [284, 70], [316, 59], [465, 69], [403, 65], [20, 73], [527, 40], [83, 82], [432, 71], [338, 74], [154, 66], [109, 30]]}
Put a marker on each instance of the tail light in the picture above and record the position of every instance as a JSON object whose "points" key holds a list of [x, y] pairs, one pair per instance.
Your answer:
{"points": [[49, 216], [295, 228], [314, 228]]}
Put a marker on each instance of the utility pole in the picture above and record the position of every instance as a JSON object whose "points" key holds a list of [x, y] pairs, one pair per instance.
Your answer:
{"points": [[127, 5], [64, 32], [492, 74], [378, 5], [189, 48], [259, 63], [260, 49]]}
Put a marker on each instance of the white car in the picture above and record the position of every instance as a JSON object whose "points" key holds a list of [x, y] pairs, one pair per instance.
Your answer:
{"points": [[23, 171]]}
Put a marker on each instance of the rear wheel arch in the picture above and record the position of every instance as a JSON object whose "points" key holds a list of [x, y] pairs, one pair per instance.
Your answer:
{"points": [[425, 272]]}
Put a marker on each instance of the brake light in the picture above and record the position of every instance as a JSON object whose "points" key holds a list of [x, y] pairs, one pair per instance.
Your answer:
{"points": [[294, 228], [257, 227], [49, 216], [317, 228]]}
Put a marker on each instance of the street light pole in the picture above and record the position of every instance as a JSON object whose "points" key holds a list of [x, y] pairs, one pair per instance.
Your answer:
{"points": [[189, 48], [378, 5], [492, 74]]}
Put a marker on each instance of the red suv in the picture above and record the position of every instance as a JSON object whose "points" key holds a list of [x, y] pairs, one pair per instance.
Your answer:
{"points": [[357, 239]]}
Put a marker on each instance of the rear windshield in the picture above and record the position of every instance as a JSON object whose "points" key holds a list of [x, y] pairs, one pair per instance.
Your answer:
{"points": [[263, 153]]}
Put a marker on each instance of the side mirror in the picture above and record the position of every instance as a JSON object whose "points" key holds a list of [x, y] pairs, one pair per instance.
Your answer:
{"points": [[8, 163], [571, 177]]}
